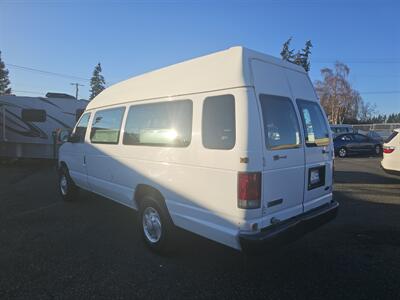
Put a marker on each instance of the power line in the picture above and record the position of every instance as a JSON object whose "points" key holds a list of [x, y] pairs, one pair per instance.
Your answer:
{"points": [[318, 61], [77, 85], [26, 92], [380, 92], [47, 72]]}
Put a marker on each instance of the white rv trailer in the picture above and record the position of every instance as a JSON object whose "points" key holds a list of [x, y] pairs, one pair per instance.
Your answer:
{"points": [[27, 124]]}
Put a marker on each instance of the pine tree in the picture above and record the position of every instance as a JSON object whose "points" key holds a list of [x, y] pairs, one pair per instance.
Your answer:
{"points": [[301, 58], [305, 56], [97, 82], [287, 53], [4, 81]]}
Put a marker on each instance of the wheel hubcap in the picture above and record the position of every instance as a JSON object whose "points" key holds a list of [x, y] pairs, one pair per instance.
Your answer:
{"points": [[151, 224], [342, 152], [63, 185]]}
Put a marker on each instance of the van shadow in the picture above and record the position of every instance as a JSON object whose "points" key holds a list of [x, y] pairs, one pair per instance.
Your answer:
{"points": [[348, 252], [364, 178]]}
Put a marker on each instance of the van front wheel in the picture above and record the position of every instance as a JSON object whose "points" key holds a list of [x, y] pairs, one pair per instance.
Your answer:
{"points": [[155, 225], [67, 188]]}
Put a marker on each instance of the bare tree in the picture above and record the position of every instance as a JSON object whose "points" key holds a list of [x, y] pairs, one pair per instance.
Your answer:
{"points": [[367, 112], [340, 101]]}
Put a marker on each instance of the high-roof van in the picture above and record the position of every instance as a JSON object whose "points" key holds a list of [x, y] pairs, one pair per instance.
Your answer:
{"points": [[232, 146]]}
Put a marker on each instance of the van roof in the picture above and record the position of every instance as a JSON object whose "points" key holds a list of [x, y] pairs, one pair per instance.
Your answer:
{"points": [[217, 71]]}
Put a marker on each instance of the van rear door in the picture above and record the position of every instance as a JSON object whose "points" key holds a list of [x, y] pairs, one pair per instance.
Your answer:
{"points": [[318, 146], [283, 151]]}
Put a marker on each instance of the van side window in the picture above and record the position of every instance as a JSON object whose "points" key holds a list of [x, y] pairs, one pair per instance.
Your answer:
{"points": [[106, 126], [80, 129], [315, 129], [218, 122], [33, 115], [164, 124], [281, 127]]}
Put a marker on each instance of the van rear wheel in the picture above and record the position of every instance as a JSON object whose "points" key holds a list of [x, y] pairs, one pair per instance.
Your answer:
{"points": [[155, 224], [67, 188]]}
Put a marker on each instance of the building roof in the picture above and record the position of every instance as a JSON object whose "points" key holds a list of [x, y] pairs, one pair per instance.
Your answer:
{"points": [[220, 70]]}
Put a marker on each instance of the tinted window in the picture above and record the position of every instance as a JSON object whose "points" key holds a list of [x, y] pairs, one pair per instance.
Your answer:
{"points": [[166, 124], [280, 123], [218, 122], [315, 129], [360, 138], [80, 129], [33, 115], [106, 126]]}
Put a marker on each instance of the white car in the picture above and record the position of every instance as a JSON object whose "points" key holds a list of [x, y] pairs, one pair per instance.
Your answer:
{"points": [[232, 146], [391, 153]]}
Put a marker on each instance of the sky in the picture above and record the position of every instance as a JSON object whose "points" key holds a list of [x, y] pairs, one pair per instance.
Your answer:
{"points": [[133, 37]]}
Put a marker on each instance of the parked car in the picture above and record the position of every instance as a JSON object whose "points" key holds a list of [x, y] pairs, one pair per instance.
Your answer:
{"points": [[381, 136], [233, 146], [391, 153], [356, 143], [340, 129]]}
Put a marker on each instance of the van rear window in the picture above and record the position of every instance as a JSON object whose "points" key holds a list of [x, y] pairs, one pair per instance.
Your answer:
{"points": [[314, 125], [281, 128]]}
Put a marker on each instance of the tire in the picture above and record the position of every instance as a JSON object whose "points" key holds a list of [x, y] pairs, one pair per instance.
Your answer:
{"points": [[155, 225], [377, 150], [66, 186], [342, 152]]}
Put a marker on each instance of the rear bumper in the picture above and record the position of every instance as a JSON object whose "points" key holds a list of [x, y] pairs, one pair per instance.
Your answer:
{"points": [[289, 230], [390, 171]]}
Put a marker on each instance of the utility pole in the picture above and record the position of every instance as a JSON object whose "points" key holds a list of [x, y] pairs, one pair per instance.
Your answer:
{"points": [[77, 85]]}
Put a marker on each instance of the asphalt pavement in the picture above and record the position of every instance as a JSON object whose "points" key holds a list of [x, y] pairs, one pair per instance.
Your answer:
{"points": [[90, 248]]}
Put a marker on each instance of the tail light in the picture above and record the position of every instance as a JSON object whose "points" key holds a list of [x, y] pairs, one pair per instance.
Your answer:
{"points": [[249, 190], [388, 149]]}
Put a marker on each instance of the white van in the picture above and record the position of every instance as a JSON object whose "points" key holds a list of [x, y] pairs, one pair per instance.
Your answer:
{"points": [[233, 146]]}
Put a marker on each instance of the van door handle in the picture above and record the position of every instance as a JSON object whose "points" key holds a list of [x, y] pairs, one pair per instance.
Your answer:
{"points": [[277, 157]]}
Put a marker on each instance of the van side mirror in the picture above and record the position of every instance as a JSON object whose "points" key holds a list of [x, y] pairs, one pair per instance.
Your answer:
{"points": [[73, 138], [63, 135]]}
